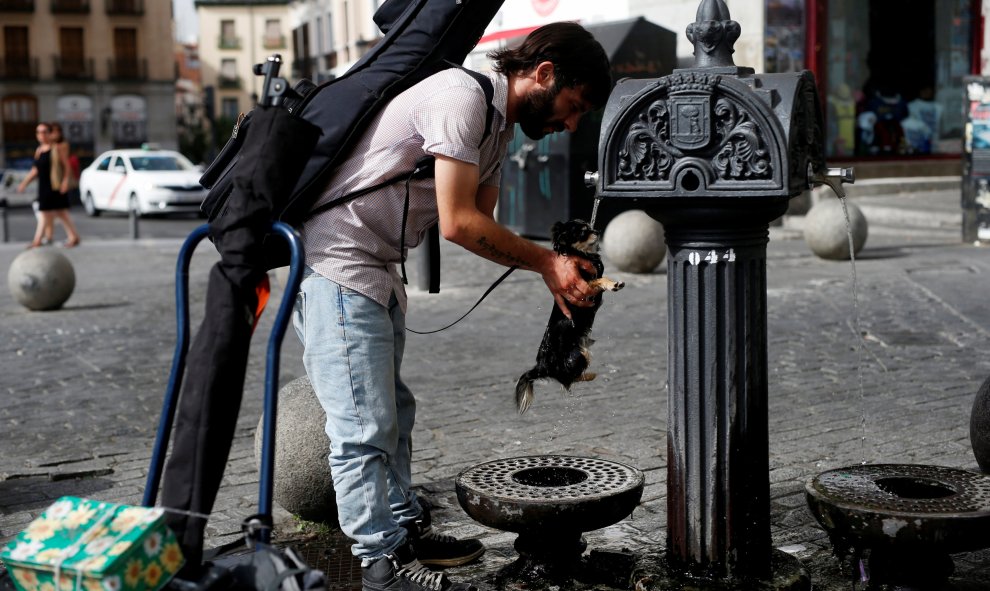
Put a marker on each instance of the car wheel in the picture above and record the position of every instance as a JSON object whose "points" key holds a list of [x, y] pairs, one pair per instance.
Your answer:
{"points": [[133, 205], [90, 206]]}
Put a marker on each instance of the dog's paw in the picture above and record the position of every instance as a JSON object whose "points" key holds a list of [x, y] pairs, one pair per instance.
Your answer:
{"points": [[606, 284]]}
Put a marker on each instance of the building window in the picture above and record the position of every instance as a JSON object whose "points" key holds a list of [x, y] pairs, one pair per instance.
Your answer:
{"points": [[16, 60], [71, 62], [20, 115], [228, 37], [273, 39], [228, 74], [228, 108], [894, 75], [125, 64]]}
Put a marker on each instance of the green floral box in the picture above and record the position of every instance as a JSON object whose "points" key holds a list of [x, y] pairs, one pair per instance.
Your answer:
{"points": [[84, 545]]}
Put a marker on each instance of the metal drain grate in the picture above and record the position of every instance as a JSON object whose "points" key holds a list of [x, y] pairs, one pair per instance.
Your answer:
{"points": [[544, 478], [906, 488]]}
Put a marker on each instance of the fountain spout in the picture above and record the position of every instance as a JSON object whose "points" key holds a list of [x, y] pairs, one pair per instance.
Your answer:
{"points": [[834, 178]]}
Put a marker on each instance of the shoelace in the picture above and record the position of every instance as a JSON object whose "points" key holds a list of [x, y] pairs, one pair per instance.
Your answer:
{"points": [[421, 575]]}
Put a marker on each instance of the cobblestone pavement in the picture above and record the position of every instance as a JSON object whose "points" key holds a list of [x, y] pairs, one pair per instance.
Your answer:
{"points": [[82, 387]]}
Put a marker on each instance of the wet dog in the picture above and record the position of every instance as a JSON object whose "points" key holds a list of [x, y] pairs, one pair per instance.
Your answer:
{"points": [[565, 354]]}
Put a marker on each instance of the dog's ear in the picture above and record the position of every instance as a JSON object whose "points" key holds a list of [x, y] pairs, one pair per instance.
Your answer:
{"points": [[556, 229]]}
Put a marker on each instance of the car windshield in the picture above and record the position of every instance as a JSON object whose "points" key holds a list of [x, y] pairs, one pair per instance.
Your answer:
{"points": [[157, 163]]}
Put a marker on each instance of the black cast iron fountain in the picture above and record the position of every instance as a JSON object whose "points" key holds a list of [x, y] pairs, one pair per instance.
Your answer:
{"points": [[550, 501], [715, 152]]}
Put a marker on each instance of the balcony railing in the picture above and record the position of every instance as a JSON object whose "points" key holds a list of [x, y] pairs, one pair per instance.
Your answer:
{"points": [[124, 69], [70, 68], [19, 69], [125, 7], [273, 42], [230, 43], [70, 6], [229, 82], [16, 5]]}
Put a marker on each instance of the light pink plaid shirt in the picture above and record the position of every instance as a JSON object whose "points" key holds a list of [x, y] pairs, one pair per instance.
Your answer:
{"points": [[356, 244]]}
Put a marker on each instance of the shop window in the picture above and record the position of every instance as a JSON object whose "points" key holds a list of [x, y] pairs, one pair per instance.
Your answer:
{"points": [[20, 115], [784, 41], [894, 71]]}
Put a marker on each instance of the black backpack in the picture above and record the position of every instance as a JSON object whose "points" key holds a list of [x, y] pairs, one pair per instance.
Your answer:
{"points": [[313, 127]]}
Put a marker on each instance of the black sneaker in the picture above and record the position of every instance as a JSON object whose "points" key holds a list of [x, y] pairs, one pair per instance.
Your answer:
{"points": [[439, 550], [400, 571]]}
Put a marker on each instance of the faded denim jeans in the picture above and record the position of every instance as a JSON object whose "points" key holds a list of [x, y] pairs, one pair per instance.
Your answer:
{"points": [[353, 352]]}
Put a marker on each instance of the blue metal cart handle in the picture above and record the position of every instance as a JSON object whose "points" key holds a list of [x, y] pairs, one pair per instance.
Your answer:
{"points": [[281, 324]]}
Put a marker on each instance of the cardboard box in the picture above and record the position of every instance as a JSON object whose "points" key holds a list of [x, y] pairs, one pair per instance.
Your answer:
{"points": [[88, 545]]}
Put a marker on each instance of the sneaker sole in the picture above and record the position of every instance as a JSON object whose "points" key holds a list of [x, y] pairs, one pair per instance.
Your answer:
{"points": [[450, 562]]}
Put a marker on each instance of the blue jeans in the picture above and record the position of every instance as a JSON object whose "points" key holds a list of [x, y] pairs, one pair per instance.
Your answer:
{"points": [[352, 352]]}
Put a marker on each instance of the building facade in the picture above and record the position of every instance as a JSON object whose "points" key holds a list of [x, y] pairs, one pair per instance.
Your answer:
{"points": [[328, 36], [99, 67], [890, 72], [233, 37]]}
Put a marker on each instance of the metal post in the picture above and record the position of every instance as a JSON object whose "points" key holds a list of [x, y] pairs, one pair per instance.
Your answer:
{"points": [[429, 262], [4, 229], [132, 218], [718, 487]]}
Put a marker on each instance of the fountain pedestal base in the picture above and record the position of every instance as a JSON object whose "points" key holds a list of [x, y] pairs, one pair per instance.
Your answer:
{"points": [[654, 572]]}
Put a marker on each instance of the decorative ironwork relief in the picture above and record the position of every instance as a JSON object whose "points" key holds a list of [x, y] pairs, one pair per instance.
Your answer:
{"points": [[685, 124]]}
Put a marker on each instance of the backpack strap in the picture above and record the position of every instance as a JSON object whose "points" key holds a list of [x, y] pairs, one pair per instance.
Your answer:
{"points": [[423, 169], [433, 238]]}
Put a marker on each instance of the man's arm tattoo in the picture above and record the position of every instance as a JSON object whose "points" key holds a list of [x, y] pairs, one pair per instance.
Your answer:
{"points": [[500, 255]]}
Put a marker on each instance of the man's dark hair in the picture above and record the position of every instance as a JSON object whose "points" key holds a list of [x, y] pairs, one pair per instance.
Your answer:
{"points": [[578, 59]]}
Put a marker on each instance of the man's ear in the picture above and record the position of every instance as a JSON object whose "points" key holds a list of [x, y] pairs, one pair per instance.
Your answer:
{"points": [[544, 74]]}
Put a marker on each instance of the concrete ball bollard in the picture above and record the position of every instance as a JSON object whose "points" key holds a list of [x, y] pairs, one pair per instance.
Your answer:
{"points": [[826, 233], [41, 279], [979, 427], [303, 485], [634, 242]]}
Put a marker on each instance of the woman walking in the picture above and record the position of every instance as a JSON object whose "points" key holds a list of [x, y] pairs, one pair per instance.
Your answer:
{"points": [[52, 202], [62, 177]]}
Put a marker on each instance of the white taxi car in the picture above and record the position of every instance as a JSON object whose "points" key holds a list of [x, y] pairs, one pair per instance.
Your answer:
{"points": [[144, 181]]}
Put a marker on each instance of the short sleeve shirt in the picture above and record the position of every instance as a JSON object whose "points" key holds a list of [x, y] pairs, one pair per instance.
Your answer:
{"points": [[356, 244]]}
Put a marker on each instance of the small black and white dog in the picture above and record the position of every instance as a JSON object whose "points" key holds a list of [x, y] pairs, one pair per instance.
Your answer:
{"points": [[565, 354]]}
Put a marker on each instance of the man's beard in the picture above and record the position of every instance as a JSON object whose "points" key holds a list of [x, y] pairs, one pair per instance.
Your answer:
{"points": [[535, 113]]}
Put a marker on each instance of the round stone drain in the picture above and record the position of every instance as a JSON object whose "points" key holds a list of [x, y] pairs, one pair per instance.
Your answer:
{"points": [[549, 501], [905, 519]]}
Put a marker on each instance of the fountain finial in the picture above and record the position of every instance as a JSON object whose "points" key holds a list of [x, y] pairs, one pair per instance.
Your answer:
{"points": [[713, 34]]}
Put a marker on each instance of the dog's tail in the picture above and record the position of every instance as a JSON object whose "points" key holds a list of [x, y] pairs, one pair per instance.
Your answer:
{"points": [[524, 389]]}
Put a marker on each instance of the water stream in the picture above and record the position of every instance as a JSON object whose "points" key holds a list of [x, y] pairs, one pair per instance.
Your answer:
{"points": [[860, 340], [594, 211]]}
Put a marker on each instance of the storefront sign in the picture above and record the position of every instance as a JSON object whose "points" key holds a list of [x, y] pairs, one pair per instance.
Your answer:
{"points": [[976, 161]]}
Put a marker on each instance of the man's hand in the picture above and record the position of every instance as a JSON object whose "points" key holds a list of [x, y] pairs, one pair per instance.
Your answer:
{"points": [[466, 219], [563, 278]]}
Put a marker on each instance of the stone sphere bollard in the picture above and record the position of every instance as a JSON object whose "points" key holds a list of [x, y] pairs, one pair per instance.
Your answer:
{"points": [[303, 485], [826, 233], [633, 242], [41, 279], [979, 427]]}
